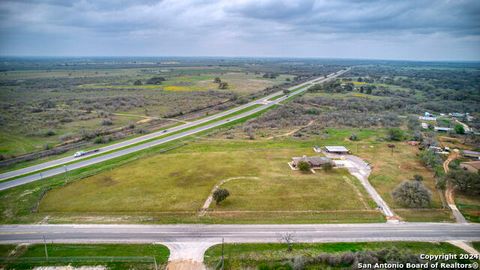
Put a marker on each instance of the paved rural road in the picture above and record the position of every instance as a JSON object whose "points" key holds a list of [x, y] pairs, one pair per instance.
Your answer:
{"points": [[83, 162], [189, 242]]}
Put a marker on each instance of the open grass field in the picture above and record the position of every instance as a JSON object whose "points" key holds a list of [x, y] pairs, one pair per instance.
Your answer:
{"points": [[389, 169], [180, 182], [134, 256], [241, 256]]}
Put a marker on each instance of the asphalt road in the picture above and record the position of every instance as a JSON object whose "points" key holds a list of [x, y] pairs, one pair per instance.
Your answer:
{"points": [[198, 233], [188, 243], [83, 162]]}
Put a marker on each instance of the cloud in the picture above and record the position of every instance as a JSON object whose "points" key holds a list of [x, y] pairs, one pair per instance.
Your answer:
{"points": [[241, 27]]}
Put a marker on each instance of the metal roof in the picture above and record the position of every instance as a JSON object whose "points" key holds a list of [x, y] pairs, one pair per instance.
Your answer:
{"points": [[336, 149]]}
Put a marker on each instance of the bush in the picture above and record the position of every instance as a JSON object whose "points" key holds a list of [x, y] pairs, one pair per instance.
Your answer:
{"points": [[99, 140], [353, 137], [220, 195], [412, 194], [430, 159], [50, 133], [223, 85], [106, 122], [395, 134], [418, 177], [304, 166], [155, 80], [459, 129], [137, 82]]}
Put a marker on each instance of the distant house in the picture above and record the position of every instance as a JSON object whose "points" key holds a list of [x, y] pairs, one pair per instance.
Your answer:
{"points": [[471, 166], [427, 118], [457, 114], [438, 150], [315, 162], [442, 129], [424, 125], [337, 149], [317, 149], [472, 154]]}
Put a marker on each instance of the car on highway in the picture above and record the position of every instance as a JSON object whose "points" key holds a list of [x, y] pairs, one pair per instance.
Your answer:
{"points": [[83, 153], [79, 154]]}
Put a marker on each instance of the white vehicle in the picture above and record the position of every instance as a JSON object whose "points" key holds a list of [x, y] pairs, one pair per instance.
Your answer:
{"points": [[79, 154]]}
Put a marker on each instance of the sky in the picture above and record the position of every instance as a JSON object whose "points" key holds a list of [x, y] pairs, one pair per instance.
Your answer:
{"points": [[366, 29]]}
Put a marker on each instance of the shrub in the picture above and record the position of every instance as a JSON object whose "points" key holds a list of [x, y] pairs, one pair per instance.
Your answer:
{"points": [[106, 122], [223, 85], [353, 137], [220, 195], [50, 133], [459, 129], [430, 159], [395, 134], [418, 177], [99, 140], [137, 82], [155, 80], [304, 166], [412, 194]]}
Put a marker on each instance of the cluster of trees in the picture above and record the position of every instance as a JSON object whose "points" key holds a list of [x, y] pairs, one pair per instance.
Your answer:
{"points": [[346, 260], [443, 90], [270, 75], [221, 84], [332, 87], [465, 181]]}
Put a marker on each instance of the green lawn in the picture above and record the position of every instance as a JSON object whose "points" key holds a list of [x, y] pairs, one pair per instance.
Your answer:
{"points": [[163, 183], [139, 256], [469, 205], [242, 256]]}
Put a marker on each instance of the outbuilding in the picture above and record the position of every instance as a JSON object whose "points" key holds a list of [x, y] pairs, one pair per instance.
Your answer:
{"points": [[337, 149], [472, 154]]}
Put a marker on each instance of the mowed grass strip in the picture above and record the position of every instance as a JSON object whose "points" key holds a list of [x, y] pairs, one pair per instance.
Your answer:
{"points": [[133, 255]]}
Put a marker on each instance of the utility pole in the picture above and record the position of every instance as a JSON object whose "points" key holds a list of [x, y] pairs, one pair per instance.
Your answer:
{"points": [[66, 170], [223, 258], [45, 245]]}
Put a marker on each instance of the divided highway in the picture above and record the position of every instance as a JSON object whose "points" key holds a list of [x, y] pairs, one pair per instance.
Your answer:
{"points": [[54, 167]]}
